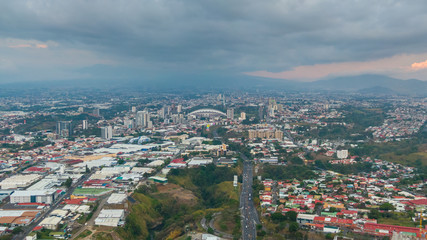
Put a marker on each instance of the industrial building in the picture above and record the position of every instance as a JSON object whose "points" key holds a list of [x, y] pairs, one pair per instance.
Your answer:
{"points": [[110, 217], [36, 196], [19, 181]]}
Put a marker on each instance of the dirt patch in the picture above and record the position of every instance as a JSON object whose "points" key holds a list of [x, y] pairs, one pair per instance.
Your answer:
{"points": [[177, 192]]}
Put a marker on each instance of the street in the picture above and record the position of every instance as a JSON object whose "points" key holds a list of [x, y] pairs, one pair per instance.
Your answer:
{"points": [[249, 214]]}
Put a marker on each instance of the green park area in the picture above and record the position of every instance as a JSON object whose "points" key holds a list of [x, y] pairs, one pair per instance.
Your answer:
{"points": [[90, 191]]}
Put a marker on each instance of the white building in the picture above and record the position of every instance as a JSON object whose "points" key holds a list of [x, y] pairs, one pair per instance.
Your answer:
{"points": [[36, 196], [51, 222], [19, 181], [110, 217], [230, 113], [116, 198], [342, 154], [195, 162], [84, 124]]}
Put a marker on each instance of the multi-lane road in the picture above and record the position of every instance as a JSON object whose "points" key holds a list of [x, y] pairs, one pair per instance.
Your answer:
{"points": [[249, 214]]}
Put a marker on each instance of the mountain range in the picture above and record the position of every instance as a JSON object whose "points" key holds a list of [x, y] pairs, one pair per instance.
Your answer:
{"points": [[364, 84]]}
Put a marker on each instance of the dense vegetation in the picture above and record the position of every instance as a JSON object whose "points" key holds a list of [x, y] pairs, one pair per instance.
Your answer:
{"points": [[142, 218], [344, 169], [286, 172], [203, 182]]}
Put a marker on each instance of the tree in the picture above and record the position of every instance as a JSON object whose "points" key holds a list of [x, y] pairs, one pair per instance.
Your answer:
{"points": [[387, 207], [329, 236], [121, 162], [68, 182], [293, 227], [278, 217], [297, 160], [374, 214], [210, 230], [17, 230], [292, 216]]}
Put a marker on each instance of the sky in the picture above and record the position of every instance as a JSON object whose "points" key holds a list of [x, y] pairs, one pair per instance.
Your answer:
{"points": [[303, 40]]}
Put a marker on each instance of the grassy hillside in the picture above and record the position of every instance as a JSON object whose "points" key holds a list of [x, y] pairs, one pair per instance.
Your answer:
{"points": [[168, 211], [142, 218]]}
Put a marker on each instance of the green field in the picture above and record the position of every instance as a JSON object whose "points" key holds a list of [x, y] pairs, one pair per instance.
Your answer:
{"points": [[90, 191]]}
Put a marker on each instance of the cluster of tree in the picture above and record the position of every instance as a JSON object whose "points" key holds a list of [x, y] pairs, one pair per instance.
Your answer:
{"points": [[363, 117], [344, 169], [287, 172], [279, 217], [240, 148], [214, 142], [376, 149], [26, 146]]}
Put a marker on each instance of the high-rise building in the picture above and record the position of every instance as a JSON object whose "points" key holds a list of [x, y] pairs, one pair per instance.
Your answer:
{"points": [[146, 119], [80, 109], [179, 108], [161, 112], [133, 109], [230, 113], [84, 124], [128, 123], [96, 112], [107, 132], [139, 117], [142, 118], [242, 116], [64, 128]]}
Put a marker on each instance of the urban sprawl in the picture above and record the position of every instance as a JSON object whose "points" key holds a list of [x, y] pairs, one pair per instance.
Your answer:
{"points": [[213, 166]]}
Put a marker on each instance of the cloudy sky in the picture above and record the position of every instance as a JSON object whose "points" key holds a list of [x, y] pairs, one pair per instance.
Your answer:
{"points": [[300, 40]]}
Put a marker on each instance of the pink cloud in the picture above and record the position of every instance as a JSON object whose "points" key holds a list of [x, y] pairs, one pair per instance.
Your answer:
{"points": [[41, 46], [29, 46], [21, 46], [419, 65], [399, 64]]}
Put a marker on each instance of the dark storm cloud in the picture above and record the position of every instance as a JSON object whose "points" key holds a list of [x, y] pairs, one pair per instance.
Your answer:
{"points": [[226, 35]]}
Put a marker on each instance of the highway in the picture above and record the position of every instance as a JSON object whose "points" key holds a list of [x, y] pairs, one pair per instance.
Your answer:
{"points": [[248, 211]]}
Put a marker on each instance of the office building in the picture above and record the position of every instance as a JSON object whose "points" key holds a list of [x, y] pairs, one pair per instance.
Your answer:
{"points": [[142, 119], [64, 128], [128, 123], [230, 113], [84, 124], [265, 134], [96, 112], [242, 116], [107, 132]]}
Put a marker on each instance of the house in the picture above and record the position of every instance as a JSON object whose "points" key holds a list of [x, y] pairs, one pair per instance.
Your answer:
{"points": [[305, 218]]}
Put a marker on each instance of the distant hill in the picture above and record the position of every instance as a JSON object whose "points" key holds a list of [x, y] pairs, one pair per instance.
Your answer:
{"points": [[368, 84], [372, 83]]}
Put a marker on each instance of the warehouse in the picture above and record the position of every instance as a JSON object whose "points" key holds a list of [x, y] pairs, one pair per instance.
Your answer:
{"points": [[110, 217], [19, 181], [116, 198], [51, 222], [36, 196]]}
